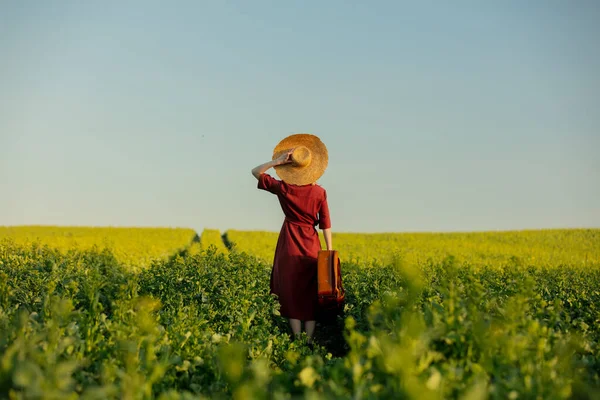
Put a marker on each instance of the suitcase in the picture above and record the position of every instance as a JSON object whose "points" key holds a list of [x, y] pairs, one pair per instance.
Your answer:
{"points": [[331, 293]]}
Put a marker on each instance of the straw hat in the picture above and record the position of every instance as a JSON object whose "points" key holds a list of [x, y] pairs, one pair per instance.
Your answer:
{"points": [[309, 159]]}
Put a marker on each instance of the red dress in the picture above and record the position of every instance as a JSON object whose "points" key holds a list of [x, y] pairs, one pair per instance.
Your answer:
{"points": [[294, 274]]}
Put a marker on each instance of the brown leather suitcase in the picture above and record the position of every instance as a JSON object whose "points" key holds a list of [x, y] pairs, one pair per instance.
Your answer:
{"points": [[330, 290]]}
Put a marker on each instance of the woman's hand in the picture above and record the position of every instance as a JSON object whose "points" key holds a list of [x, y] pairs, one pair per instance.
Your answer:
{"points": [[285, 158]]}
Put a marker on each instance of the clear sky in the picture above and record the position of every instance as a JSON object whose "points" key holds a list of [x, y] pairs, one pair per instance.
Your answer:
{"points": [[438, 116]]}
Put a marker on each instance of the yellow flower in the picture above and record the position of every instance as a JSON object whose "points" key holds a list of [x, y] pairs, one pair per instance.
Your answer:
{"points": [[308, 376]]}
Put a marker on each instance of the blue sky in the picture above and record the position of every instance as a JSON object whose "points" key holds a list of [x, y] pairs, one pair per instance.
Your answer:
{"points": [[438, 116]]}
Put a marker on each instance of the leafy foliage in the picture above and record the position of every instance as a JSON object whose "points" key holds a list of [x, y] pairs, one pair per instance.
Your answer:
{"points": [[81, 323]]}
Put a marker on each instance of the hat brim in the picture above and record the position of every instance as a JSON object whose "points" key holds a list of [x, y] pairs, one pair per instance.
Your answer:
{"points": [[296, 175]]}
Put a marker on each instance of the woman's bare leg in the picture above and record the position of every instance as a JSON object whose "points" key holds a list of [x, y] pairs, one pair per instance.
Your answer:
{"points": [[296, 326], [309, 326]]}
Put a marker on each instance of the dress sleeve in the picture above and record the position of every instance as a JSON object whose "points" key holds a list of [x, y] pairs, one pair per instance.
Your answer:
{"points": [[268, 183], [324, 220]]}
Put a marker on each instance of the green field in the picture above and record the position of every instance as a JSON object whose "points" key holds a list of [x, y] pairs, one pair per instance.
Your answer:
{"points": [[174, 315]]}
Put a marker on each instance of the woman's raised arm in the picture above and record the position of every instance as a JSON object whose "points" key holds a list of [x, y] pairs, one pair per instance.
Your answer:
{"points": [[262, 168]]}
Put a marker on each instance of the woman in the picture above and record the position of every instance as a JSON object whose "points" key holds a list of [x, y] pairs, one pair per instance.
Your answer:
{"points": [[299, 160]]}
